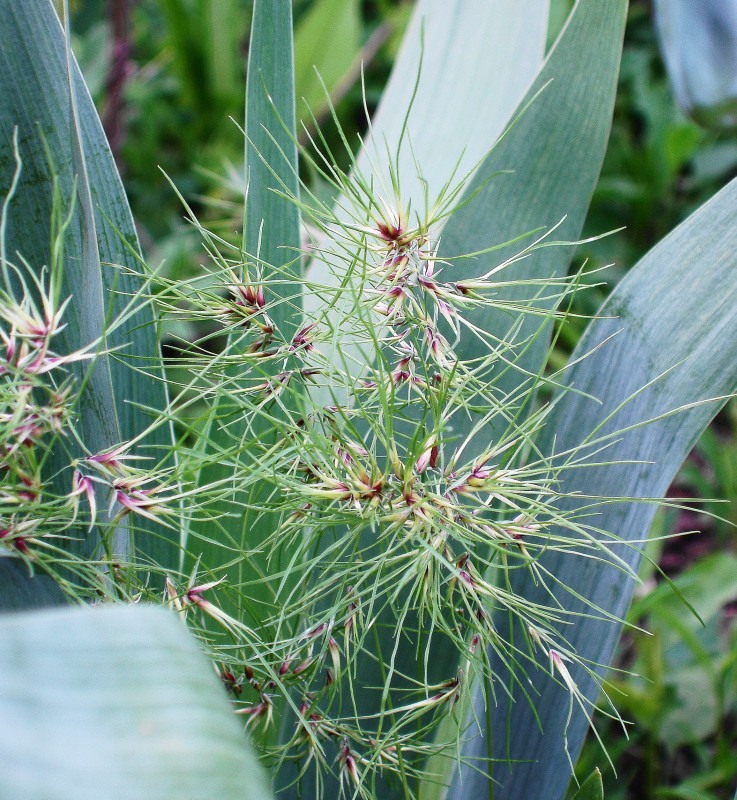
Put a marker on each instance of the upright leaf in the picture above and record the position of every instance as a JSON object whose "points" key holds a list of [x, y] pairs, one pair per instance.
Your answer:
{"points": [[574, 110], [35, 98], [541, 174], [670, 326], [272, 222], [460, 73], [271, 253], [116, 702]]}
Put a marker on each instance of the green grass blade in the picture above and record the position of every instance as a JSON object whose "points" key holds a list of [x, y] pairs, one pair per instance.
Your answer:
{"points": [[35, 98], [117, 703], [677, 311], [272, 238], [271, 148]]}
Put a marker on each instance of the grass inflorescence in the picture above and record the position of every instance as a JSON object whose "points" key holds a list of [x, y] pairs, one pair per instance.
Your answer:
{"points": [[353, 492], [400, 487]]}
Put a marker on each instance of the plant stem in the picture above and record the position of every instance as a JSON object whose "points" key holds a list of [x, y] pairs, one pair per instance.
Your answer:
{"points": [[114, 118]]}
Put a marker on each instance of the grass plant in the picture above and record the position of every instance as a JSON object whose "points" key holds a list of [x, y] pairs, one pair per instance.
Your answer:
{"points": [[405, 544]]}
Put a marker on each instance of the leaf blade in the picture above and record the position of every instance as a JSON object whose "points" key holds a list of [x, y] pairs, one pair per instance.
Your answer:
{"points": [[541, 190], [591, 789], [662, 332], [133, 707], [271, 245], [35, 97]]}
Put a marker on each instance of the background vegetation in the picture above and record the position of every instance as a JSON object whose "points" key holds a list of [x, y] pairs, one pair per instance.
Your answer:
{"points": [[166, 84]]}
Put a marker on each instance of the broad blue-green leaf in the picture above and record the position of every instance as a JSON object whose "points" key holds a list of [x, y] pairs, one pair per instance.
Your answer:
{"points": [[116, 702], [554, 155], [35, 98], [574, 112], [327, 42], [461, 71], [670, 326]]}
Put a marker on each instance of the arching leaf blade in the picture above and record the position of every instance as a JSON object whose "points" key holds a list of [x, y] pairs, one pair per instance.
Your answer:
{"points": [[671, 323], [35, 98]]}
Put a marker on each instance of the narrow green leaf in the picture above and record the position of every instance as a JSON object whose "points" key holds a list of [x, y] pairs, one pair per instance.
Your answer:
{"points": [[272, 222], [591, 789], [35, 98], [272, 241], [671, 323], [120, 703]]}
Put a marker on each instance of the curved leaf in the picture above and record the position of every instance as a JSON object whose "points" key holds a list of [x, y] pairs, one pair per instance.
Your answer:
{"points": [[35, 98], [699, 46], [116, 702], [670, 326], [459, 75]]}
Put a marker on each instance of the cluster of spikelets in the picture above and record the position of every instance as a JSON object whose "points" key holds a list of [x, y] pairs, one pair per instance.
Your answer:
{"points": [[404, 492], [402, 486], [44, 513]]}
